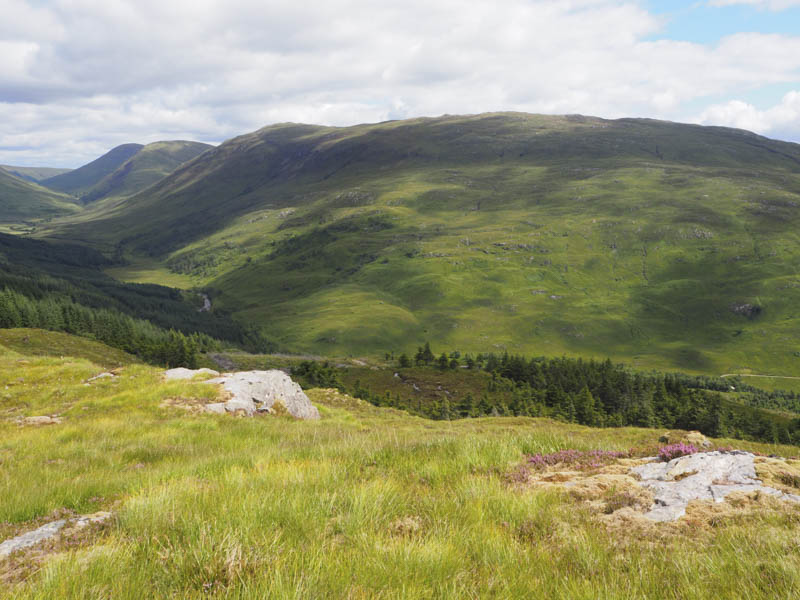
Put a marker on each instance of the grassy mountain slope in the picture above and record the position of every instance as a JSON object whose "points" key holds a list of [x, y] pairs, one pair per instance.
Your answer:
{"points": [[365, 503], [22, 201], [126, 169], [79, 181], [34, 174], [152, 163], [651, 242]]}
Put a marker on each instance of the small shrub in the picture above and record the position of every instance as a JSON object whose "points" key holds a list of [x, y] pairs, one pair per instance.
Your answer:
{"points": [[668, 453], [407, 526], [537, 530], [619, 500], [789, 479], [279, 409]]}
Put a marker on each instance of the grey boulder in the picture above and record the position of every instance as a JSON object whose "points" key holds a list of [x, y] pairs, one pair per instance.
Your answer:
{"points": [[264, 391]]}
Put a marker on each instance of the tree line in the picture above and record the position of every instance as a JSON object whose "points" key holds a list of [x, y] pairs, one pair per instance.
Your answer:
{"points": [[61, 287], [589, 392], [135, 336]]}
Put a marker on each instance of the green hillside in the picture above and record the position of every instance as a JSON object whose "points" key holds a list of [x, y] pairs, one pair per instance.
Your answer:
{"points": [[24, 201], [34, 174], [655, 243], [152, 163], [81, 180], [364, 503]]}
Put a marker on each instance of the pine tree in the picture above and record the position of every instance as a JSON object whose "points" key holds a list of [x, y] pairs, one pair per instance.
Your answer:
{"points": [[427, 354], [584, 407]]}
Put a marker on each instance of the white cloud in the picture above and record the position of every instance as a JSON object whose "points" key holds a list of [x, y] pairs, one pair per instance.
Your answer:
{"points": [[781, 120], [768, 4], [88, 74]]}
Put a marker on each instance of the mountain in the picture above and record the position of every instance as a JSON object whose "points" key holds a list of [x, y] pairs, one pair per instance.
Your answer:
{"points": [[657, 243], [79, 181], [152, 163], [22, 201], [34, 174], [125, 170]]}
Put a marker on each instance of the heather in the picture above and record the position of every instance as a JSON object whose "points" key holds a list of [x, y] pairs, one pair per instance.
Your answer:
{"points": [[580, 459], [667, 453]]}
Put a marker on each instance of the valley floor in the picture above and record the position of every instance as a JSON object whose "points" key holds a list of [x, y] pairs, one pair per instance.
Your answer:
{"points": [[364, 503]]}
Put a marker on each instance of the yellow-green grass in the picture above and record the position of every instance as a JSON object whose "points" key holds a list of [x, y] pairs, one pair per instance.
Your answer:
{"points": [[217, 506], [37, 342], [789, 384], [144, 270]]}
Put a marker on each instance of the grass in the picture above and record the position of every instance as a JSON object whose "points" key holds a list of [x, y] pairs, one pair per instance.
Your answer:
{"points": [[39, 343], [25, 203], [632, 239], [365, 503]]}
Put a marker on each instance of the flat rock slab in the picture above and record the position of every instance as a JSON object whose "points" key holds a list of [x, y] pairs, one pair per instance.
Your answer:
{"points": [[42, 420], [262, 391], [101, 376], [183, 373], [49, 531], [701, 476]]}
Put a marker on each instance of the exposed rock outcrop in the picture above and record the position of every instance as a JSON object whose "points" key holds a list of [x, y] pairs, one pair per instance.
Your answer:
{"points": [[701, 476], [49, 531], [183, 373], [263, 391]]}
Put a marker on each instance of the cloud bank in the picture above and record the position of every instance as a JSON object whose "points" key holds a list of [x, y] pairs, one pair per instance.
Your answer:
{"points": [[80, 76]]}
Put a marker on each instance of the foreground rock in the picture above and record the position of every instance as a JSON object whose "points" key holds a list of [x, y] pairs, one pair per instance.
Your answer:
{"points": [[49, 531], [702, 476], [183, 373], [263, 391]]}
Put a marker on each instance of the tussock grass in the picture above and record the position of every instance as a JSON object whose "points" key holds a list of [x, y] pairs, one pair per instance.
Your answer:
{"points": [[365, 503]]}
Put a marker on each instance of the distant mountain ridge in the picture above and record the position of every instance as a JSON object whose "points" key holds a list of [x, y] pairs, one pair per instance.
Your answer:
{"points": [[125, 170], [22, 200], [79, 181], [34, 174]]}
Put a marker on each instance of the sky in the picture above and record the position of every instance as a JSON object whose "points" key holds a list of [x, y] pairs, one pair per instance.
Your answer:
{"points": [[78, 77]]}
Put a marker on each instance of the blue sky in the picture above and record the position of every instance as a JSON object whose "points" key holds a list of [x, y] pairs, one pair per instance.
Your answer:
{"points": [[695, 21], [81, 76]]}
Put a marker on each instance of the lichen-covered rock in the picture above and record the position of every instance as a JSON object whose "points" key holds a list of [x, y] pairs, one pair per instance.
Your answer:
{"points": [[701, 476], [258, 391], [184, 373]]}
